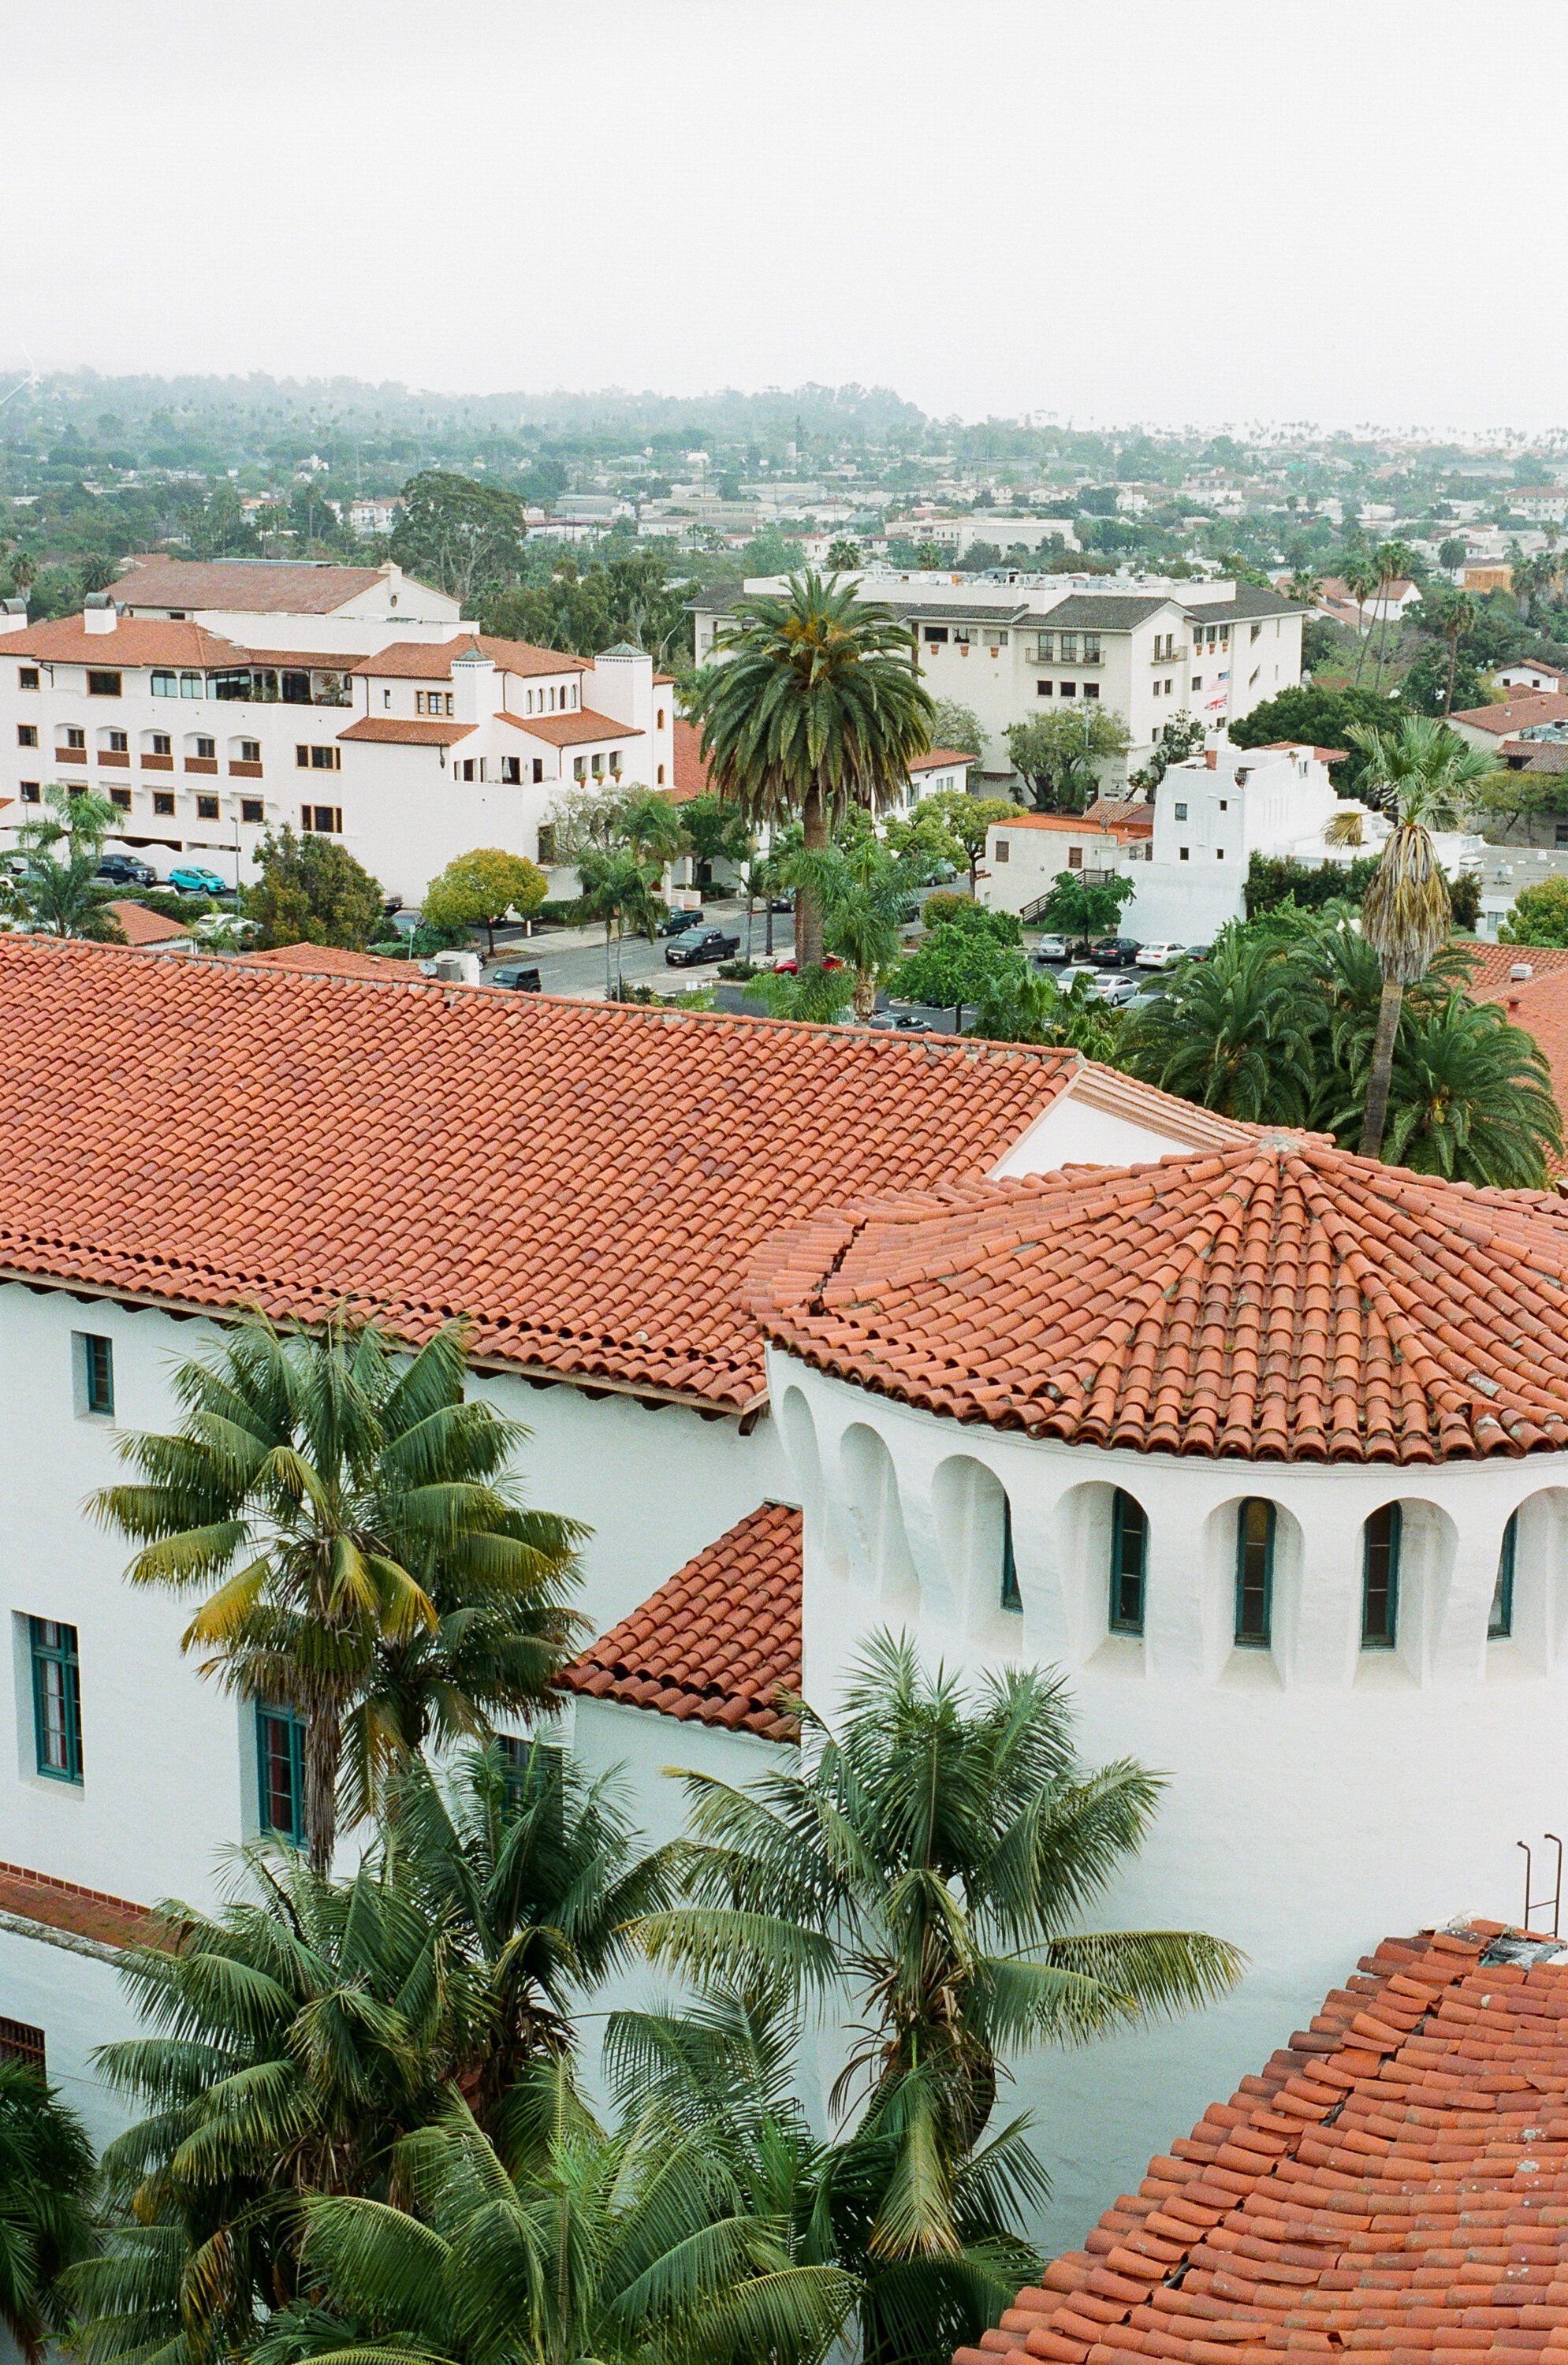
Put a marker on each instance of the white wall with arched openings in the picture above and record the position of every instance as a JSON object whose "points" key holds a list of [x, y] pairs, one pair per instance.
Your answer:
{"points": [[1319, 1794]]}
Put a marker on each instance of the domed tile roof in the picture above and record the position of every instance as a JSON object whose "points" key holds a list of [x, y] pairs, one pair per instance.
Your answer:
{"points": [[1282, 1300]]}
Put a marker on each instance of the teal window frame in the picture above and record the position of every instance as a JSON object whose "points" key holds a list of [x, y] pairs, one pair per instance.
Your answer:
{"points": [[1122, 1619], [98, 1374], [1011, 1598], [1379, 1578], [280, 1742], [1255, 1581], [55, 1658], [1500, 1618]]}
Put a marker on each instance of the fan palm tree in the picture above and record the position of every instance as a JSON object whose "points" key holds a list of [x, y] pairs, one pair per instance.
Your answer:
{"points": [[537, 1875], [1303, 587], [347, 1515], [1470, 1098], [1458, 612], [864, 897], [292, 2040], [816, 706], [618, 2249], [1232, 1033], [1428, 779], [46, 2177], [619, 890], [922, 1863]]}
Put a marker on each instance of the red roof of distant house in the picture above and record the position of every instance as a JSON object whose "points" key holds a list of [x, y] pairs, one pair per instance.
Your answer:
{"points": [[243, 586], [217, 1133], [405, 731], [1079, 824], [135, 641], [1279, 1300], [691, 778], [1388, 2189], [719, 1642], [332, 961], [938, 759], [141, 926], [1516, 713], [1538, 1003], [432, 660], [573, 730], [1324, 754]]}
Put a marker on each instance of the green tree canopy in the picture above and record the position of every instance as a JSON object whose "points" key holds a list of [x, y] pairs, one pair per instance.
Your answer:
{"points": [[1060, 754], [1084, 907], [957, 727], [312, 892], [46, 2180], [460, 535], [1540, 916], [955, 965], [477, 891]]}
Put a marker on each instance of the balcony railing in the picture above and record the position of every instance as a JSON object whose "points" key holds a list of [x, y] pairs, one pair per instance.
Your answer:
{"points": [[1090, 656], [1169, 656]]}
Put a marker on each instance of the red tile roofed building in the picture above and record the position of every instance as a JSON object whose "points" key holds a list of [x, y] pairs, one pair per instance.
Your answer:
{"points": [[332, 961], [1484, 726], [1537, 999], [144, 928], [1388, 2188]]}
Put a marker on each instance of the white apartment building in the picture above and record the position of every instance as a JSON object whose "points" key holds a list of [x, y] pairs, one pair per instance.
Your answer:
{"points": [[1004, 533], [352, 702], [1147, 651]]}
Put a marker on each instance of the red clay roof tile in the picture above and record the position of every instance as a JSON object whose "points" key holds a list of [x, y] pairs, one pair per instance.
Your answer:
{"points": [[586, 1181], [1386, 2200], [244, 586], [1279, 1300], [329, 961], [719, 1641], [64, 1905]]}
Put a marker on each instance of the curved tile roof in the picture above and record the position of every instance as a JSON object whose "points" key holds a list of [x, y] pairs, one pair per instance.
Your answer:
{"points": [[719, 1642], [1390, 2189], [1280, 1300]]}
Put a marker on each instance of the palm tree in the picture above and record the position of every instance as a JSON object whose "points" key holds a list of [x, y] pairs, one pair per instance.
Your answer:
{"points": [[842, 554], [1232, 1033], [536, 1875], [816, 706], [922, 1863], [1470, 1097], [1458, 612], [650, 827], [59, 890], [291, 2041], [46, 2176], [864, 898], [1392, 560], [1303, 587], [1426, 778], [1027, 1006], [348, 1516], [620, 2249], [618, 890], [1360, 582]]}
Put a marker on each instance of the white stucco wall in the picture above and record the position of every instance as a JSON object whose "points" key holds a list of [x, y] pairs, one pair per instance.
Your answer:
{"points": [[1319, 1797]]}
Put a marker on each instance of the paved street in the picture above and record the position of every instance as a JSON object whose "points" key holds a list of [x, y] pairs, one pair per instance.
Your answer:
{"points": [[571, 960]]}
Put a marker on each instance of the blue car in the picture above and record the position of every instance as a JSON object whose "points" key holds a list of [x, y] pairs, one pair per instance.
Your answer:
{"points": [[192, 879]]}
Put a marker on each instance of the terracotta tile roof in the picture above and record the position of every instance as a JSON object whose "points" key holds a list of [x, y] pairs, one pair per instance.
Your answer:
{"points": [[1280, 1300], [1293, 746], [1516, 713], [718, 1641], [1128, 809], [307, 660], [1390, 2189], [405, 731], [331, 961], [431, 660], [1077, 824], [938, 759], [1491, 965], [244, 586], [580, 730], [144, 927], [1538, 1004], [63, 1905], [586, 1181], [134, 642], [692, 777]]}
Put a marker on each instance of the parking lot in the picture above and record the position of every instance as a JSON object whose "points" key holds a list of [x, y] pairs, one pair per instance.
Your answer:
{"points": [[571, 960]]}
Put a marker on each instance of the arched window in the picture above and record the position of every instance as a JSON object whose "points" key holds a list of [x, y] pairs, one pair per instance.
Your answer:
{"points": [[1500, 1624], [1129, 1559], [661, 780], [1254, 1571], [1380, 1579], [1011, 1597]]}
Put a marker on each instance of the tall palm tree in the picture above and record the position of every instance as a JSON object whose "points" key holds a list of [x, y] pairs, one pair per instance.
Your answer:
{"points": [[619, 890], [1303, 587], [650, 827], [58, 890], [1392, 560], [618, 2249], [46, 2178], [1232, 1033], [291, 2040], [923, 1863], [1427, 777], [1360, 582], [348, 1516], [1458, 612], [865, 897], [814, 706]]}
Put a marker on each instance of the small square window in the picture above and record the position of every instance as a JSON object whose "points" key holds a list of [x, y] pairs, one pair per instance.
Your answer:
{"points": [[249, 751], [27, 677], [1091, 690], [95, 1374], [57, 1700], [27, 735], [1181, 813], [251, 811], [118, 742], [206, 808], [103, 685], [205, 750], [76, 737], [1067, 689], [1043, 688], [162, 744], [163, 804], [32, 794], [1182, 854], [121, 797]]}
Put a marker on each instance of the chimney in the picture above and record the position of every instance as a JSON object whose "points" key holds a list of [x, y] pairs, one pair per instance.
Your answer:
{"points": [[12, 615], [475, 686], [1210, 758], [1520, 971], [1513, 1004], [99, 613]]}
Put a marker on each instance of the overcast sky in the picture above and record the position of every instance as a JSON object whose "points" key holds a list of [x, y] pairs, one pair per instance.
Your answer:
{"points": [[1166, 210]]}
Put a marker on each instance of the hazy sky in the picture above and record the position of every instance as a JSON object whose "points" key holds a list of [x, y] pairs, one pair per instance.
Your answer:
{"points": [[1169, 210]]}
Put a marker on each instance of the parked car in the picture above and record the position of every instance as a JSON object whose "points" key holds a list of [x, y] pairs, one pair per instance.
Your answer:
{"points": [[1160, 955], [1117, 952], [1067, 978], [785, 903], [190, 878], [678, 923], [1050, 948], [518, 977], [901, 1022], [128, 870], [788, 965], [1115, 989], [1199, 952], [698, 944]]}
